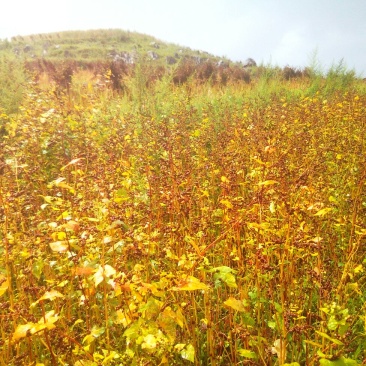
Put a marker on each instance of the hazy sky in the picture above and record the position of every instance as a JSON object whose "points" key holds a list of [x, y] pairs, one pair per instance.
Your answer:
{"points": [[278, 32]]}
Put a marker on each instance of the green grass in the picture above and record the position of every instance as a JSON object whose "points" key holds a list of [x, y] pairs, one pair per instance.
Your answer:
{"points": [[92, 45]]}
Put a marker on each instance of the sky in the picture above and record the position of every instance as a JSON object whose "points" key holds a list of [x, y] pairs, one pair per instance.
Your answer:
{"points": [[275, 32]]}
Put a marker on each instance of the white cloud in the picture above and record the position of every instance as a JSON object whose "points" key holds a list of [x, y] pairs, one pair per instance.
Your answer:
{"points": [[291, 48]]}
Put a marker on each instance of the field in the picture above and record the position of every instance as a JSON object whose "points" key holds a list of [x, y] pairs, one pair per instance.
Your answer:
{"points": [[183, 223]]}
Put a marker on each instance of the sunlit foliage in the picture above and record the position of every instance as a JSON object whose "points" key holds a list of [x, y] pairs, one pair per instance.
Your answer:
{"points": [[183, 224]]}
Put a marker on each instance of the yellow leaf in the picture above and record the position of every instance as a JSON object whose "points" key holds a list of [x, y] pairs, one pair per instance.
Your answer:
{"points": [[107, 239], [234, 304], [122, 318], [317, 239], [66, 186], [109, 270], [150, 342], [72, 225], [190, 284], [39, 327], [323, 211], [92, 219], [22, 331], [60, 246], [98, 277], [3, 284], [103, 272], [49, 318], [51, 295], [82, 271], [277, 347], [178, 347], [58, 180], [72, 162], [179, 318], [224, 180], [48, 113], [358, 269], [226, 203], [61, 235], [268, 183], [188, 353], [247, 353], [332, 199], [48, 199]]}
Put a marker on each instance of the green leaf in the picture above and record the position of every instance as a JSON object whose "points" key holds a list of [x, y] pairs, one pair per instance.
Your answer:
{"points": [[222, 269], [109, 356], [225, 274], [334, 340], [97, 331], [37, 268], [188, 353], [313, 343], [278, 307], [332, 323], [228, 278], [338, 362], [248, 320], [133, 331]]}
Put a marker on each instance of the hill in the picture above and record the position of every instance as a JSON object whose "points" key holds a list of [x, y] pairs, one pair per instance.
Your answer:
{"points": [[101, 44]]}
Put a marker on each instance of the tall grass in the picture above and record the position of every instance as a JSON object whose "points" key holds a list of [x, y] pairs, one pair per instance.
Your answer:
{"points": [[190, 223]]}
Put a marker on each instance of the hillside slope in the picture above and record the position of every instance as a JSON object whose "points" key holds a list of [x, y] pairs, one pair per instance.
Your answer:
{"points": [[102, 44]]}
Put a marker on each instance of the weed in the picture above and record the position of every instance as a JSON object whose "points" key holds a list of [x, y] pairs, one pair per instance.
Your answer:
{"points": [[182, 221]]}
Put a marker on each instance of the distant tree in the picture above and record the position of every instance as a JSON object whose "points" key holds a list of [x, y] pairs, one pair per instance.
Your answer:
{"points": [[249, 62]]}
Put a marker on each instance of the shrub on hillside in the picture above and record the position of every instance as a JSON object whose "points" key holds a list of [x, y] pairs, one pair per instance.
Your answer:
{"points": [[13, 80], [184, 71]]}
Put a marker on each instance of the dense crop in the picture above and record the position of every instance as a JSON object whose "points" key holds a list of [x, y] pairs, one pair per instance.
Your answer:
{"points": [[183, 225]]}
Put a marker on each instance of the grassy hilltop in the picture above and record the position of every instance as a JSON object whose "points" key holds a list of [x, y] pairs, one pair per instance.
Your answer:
{"points": [[196, 213], [94, 45]]}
